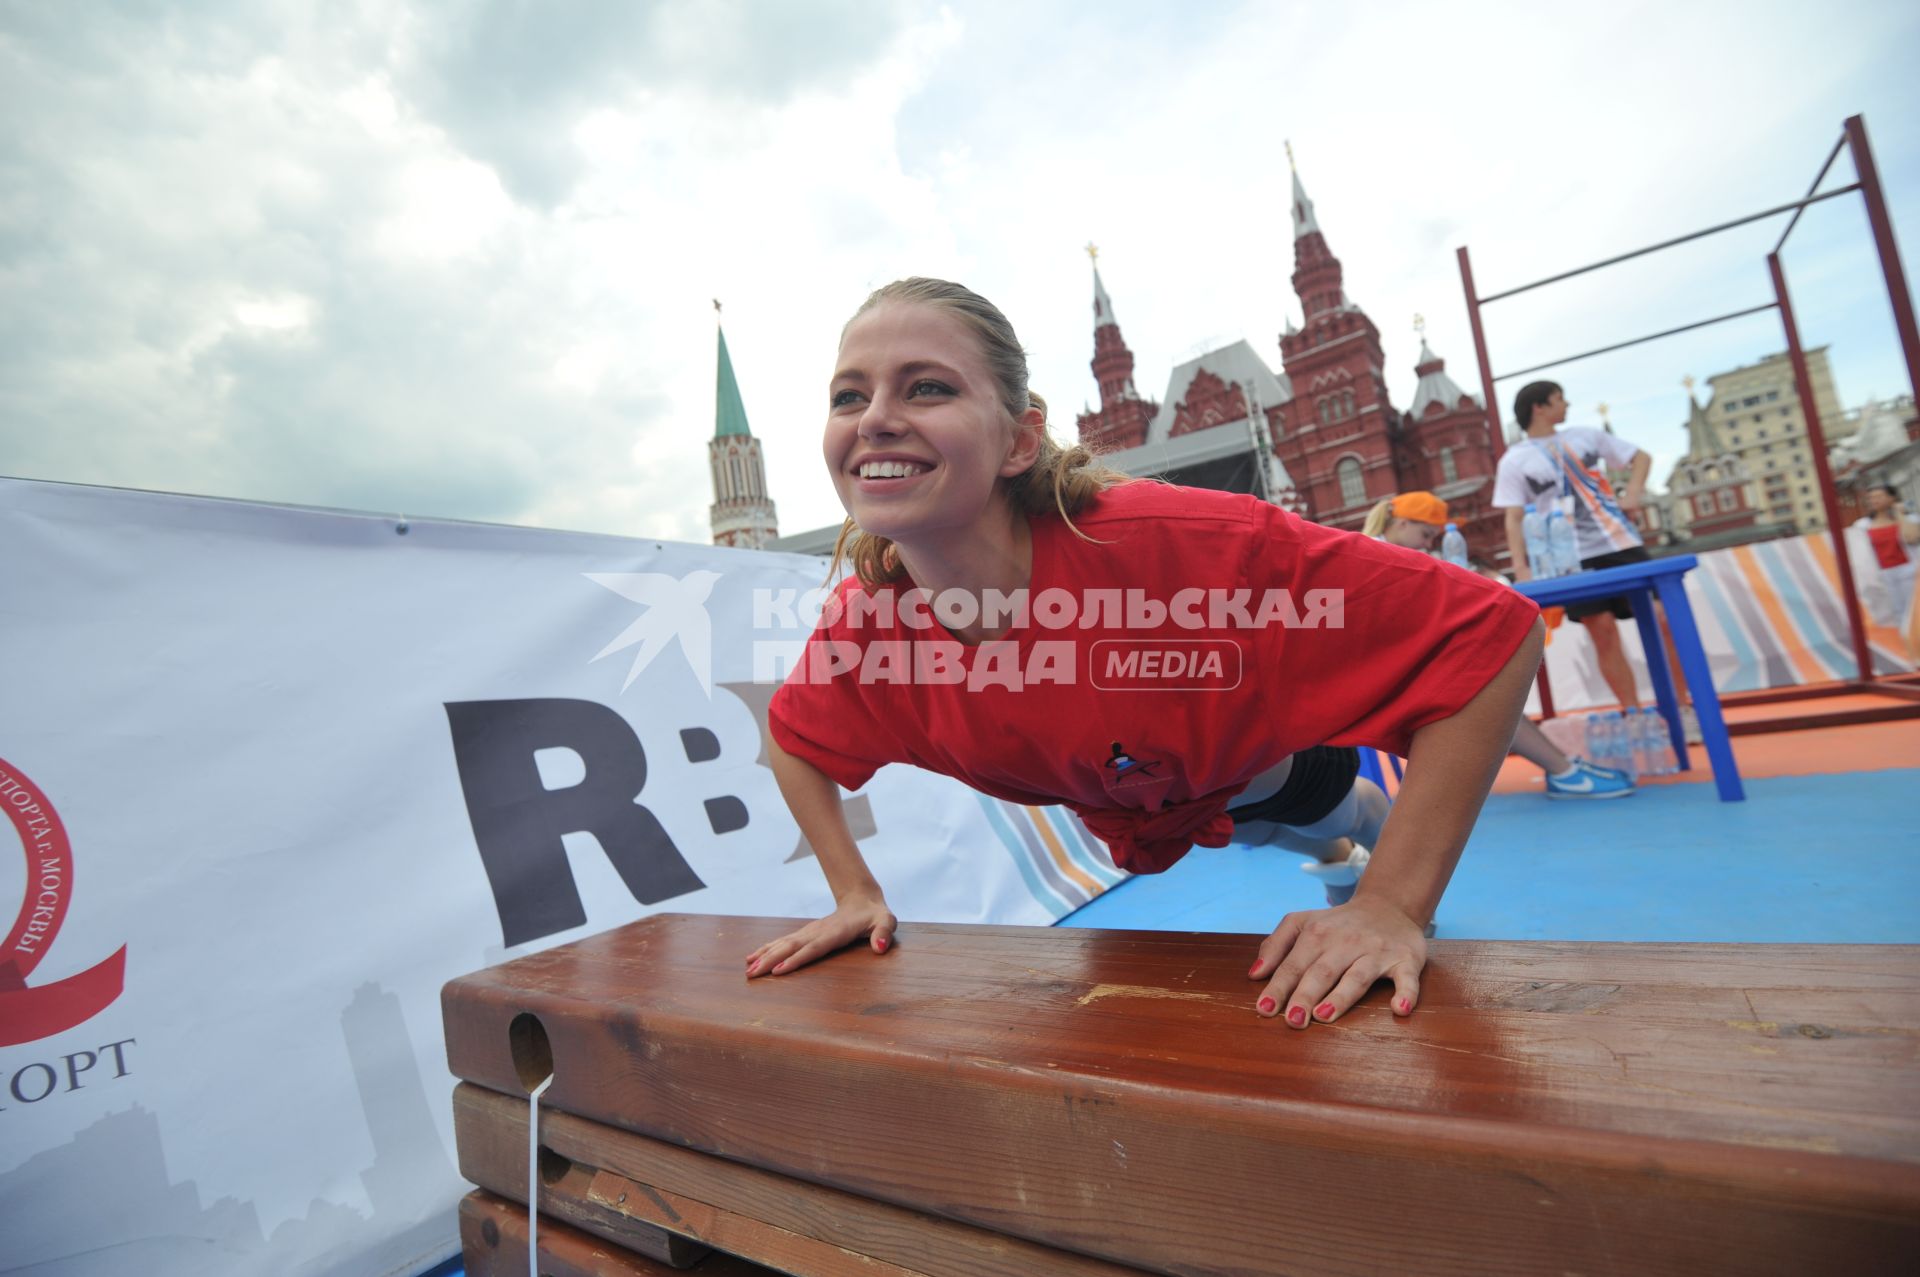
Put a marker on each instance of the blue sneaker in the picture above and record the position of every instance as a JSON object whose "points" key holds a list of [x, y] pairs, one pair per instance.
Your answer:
{"points": [[1589, 781]]}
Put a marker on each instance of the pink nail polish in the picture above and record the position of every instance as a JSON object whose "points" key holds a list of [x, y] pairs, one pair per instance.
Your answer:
{"points": [[1324, 1011], [779, 967], [881, 944], [1296, 1016], [1254, 970], [1267, 1005], [1403, 1006]]}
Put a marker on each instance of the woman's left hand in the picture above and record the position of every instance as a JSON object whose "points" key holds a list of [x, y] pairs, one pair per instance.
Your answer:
{"points": [[1319, 962]]}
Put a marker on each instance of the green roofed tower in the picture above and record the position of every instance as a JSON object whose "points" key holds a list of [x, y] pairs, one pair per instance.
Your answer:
{"points": [[742, 513]]}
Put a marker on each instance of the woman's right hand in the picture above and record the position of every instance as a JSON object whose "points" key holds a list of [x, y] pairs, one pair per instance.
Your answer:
{"points": [[856, 916]]}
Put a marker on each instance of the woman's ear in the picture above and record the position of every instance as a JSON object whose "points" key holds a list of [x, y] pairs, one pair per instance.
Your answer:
{"points": [[1029, 435]]}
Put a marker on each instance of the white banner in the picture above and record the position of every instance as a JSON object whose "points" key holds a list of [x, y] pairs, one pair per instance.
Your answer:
{"points": [[273, 776]]}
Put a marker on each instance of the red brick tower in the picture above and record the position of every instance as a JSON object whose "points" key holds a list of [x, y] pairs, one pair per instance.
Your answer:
{"points": [[1444, 449], [1338, 441], [1122, 418]]}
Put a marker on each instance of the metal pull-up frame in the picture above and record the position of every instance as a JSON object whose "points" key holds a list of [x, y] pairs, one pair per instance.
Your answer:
{"points": [[1853, 138]]}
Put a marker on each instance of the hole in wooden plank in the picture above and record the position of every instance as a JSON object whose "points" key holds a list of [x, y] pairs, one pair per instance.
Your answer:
{"points": [[489, 1233], [553, 1166], [532, 1053]]}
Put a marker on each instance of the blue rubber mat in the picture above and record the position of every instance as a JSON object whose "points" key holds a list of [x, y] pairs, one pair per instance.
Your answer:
{"points": [[1806, 859]]}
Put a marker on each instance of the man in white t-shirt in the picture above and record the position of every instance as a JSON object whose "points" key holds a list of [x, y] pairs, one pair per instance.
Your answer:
{"points": [[1566, 470]]}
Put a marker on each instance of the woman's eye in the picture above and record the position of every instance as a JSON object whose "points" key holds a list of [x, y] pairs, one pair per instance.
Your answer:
{"points": [[928, 388], [842, 398]]}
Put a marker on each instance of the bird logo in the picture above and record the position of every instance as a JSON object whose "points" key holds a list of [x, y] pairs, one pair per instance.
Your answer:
{"points": [[676, 608]]}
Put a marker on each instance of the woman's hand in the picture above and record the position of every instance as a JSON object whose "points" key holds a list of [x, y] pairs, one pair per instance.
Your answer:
{"points": [[856, 916], [1320, 962]]}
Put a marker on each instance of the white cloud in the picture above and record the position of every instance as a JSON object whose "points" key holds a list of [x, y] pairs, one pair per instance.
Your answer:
{"points": [[452, 262]]}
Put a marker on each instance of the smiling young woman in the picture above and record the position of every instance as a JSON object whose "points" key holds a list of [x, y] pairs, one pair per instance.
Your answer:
{"points": [[954, 490]]}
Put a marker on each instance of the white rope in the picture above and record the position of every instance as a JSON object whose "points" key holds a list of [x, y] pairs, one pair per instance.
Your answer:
{"points": [[533, 1176]]}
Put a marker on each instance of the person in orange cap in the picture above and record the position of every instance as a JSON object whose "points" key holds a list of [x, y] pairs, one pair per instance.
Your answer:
{"points": [[1414, 520]]}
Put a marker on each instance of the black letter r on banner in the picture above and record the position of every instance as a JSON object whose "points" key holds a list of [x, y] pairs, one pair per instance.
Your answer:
{"points": [[518, 822]]}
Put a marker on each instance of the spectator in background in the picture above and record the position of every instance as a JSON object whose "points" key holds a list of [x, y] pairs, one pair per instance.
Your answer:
{"points": [[1415, 521], [1551, 465], [1881, 544]]}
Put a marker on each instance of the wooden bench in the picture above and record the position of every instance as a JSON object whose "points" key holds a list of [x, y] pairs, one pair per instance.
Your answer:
{"points": [[1588, 1108]]}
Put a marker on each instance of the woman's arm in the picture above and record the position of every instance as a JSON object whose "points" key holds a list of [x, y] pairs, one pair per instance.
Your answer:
{"points": [[860, 909], [1329, 958], [1515, 526]]}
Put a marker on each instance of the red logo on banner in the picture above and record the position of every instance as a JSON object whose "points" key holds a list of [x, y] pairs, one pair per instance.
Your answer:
{"points": [[29, 1012]]}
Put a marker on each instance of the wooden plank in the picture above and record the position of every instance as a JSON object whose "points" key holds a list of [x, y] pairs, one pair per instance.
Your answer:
{"points": [[494, 1156], [493, 1243], [1644, 1108], [795, 1226]]}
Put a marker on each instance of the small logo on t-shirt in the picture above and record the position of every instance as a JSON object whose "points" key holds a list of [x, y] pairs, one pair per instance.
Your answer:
{"points": [[1123, 764], [1135, 782]]}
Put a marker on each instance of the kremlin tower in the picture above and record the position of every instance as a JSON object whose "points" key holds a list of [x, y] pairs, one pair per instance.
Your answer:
{"points": [[742, 513], [1121, 421]]}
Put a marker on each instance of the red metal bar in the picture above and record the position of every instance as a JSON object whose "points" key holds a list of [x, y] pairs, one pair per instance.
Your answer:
{"points": [[1869, 176], [1669, 243], [1891, 712], [1622, 345], [1486, 367], [1817, 442], [1812, 186]]}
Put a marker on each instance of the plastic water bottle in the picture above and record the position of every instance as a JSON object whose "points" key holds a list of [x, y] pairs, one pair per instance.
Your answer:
{"points": [[1599, 748], [1562, 544], [1534, 527], [1646, 747], [1619, 744], [1626, 756], [1453, 546], [1661, 760]]}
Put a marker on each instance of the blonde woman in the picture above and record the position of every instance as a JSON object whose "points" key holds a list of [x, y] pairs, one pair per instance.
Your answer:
{"points": [[957, 499], [1415, 520]]}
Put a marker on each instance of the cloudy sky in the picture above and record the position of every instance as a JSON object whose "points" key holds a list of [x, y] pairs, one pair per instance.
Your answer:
{"points": [[456, 258]]}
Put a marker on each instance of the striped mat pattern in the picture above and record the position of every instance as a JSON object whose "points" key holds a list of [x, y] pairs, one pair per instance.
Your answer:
{"points": [[1059, 859], [1770, 615]]}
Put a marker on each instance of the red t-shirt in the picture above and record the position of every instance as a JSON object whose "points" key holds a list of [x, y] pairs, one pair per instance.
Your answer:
{"points": [[1149, 730], [1887, 545]]}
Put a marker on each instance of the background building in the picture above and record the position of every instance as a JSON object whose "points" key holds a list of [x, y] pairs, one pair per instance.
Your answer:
{"points": [[1712, 499], [1758, 418], [1882, 448], [1322, 437], [742, 513]]}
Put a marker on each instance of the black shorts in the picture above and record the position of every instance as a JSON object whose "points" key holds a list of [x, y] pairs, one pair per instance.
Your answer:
{"points": [[1616, 603], [1319, 781]]}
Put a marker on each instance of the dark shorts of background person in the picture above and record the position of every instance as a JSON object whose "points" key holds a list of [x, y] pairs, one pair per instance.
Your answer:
{"points": [[1321, 777], [1616, 604]]}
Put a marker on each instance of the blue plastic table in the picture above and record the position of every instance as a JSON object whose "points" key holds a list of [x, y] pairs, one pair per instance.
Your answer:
{"points": [[1639, 582]]}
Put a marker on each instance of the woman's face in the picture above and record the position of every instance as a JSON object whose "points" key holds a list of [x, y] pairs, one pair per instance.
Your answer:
{"points": [[1411, 533], [1878, 502], [917, 439]]}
